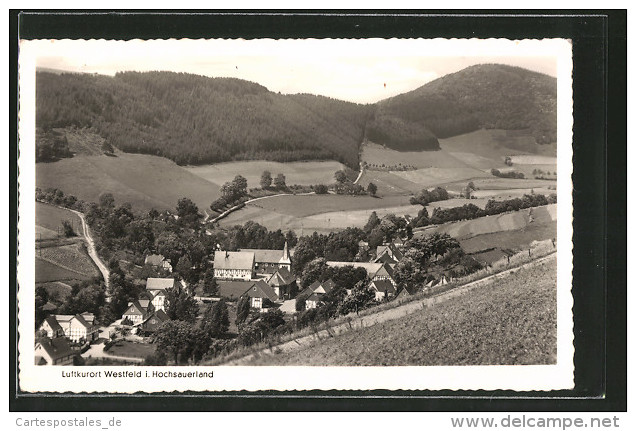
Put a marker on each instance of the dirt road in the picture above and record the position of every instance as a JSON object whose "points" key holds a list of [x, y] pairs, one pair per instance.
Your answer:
{"points": [[91, 249]]}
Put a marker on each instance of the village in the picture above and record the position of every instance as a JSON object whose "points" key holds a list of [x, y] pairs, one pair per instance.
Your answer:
{"points": [[260, 276]]}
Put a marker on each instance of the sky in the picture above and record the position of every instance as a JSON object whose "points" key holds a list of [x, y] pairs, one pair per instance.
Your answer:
{"points": [[356, 70]]}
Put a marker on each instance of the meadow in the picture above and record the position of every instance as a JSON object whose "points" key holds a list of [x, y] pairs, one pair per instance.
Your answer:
{"points": [[302, 173], [507, 321], [142, 180], [49, 218]]}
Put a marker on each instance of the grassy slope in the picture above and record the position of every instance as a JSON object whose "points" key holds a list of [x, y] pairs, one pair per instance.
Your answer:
{"points": [[303, 173], [144, 181], [509, 321], [51, 217]]}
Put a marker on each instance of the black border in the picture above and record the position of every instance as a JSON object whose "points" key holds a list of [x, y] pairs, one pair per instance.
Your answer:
{"points": [[599, 51]]}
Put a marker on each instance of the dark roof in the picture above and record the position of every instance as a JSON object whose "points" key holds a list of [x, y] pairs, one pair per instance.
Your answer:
{"points": [[383, 285], [57, 347], [328, 285], [282, 277], [264, 256], [314, 297], [135, 305], [260, 289], [52, 321], [233, 289], [406, 291]]}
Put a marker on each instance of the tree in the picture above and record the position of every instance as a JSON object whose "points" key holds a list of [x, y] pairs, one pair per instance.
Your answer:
{"points": [[279, 182], [240, 185], [372, 189], [174, 338], [68, 229], [321, 189], [242, 309], [106, 201], [188, 212], [313, 271], [208, 284], [266, 179], [372, 223], [341, 177], [181, 306], [360, 297], [184, 269], [216, 320]]}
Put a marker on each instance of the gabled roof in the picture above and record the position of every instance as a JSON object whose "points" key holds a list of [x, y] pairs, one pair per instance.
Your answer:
{"points": [[383, 286], [159, 283], [282, 277], [52, 322], [233, 260], [160, 315], [384, 271], [391, 249], [264, 256], [82, 321], [328, 285], [56, 348], [260, 289], [314, 297], [233, 289], [406, 291], [134, 308], [88, 317]]}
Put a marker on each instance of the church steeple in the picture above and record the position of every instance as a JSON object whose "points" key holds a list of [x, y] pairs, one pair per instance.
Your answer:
{"points": [[285, 261]]}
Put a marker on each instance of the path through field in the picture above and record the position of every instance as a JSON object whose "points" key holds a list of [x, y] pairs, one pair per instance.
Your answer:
{"points": [[92, 252], [386, 315]]}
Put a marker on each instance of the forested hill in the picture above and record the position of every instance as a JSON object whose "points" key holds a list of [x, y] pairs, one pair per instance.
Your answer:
{"points": [[491, 96], [193, 119]]}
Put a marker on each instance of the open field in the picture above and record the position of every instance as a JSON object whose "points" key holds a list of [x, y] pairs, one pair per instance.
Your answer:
{"points": [[130, 349], [496, 223], [47, 271], [482, 150], [306, 205], [506, 321], [49, 218], [144, 181], [431, 177], [73, 256], [318, 213], [388, 183], [302, 173]]}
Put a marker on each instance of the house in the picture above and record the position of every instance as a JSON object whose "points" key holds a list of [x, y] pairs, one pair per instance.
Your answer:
{"points": [[261, 295], [283, 283], [75, 327], [383, 289], [234, 265], [56, 351], [51, 327], [233, 290], [312, 301], [156, 291], [137, 311], [406, 292], [388, 253], [158, 261], [153, 321], [270, 261], [315, 291], [375, 270]]}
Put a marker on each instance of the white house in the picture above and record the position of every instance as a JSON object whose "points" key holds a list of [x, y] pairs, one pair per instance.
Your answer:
{"points": [[234, 265], [75, 327], [55, 351], [383, 289], [269, 261]]}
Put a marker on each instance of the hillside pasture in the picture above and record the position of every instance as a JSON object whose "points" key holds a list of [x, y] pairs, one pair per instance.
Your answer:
{"points": [[142, 180], [388, 183], [49, 218], [432, 177], [57, 289], [507, 321], [302, 173], [46, 271], [318, 213], [496, 223], [379, 155]]}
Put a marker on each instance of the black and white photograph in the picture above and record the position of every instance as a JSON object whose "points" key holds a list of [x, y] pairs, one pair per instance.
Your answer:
{"points": [[233, 214]]}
